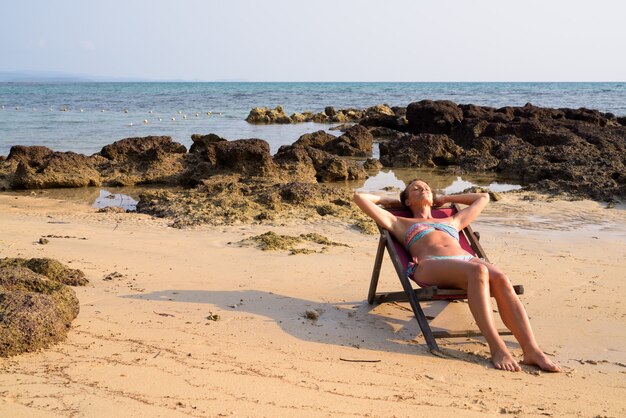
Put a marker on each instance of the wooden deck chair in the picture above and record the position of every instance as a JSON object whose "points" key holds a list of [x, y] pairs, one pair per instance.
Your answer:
{"points": [[400, 258]]}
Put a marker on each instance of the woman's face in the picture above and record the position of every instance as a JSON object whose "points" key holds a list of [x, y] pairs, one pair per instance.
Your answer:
{"points": [[419, 192]]}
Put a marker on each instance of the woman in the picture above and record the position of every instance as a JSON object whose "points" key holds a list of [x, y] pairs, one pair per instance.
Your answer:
{"points": [[439, 260]]}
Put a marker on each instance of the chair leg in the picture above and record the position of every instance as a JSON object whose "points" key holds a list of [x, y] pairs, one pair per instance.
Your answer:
{"points": [[418, 312], [423, 323], [376, 272]]}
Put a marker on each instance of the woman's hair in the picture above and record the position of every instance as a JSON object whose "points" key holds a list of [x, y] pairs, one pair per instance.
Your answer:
{"points": [[405, 192]]}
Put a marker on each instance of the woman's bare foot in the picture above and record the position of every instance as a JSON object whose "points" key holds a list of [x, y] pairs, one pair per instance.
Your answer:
{"points": [[503, 360], [539, 359]]}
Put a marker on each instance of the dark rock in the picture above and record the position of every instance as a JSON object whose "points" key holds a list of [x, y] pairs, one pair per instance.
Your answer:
{"points": [[475, 161], [471, 111], [329, 167], [380, 133], [383, 116], [140, 148], [435, 117], [587, 115], [146, 160], [343, 127], [32, 155], [330, 111], [40, 168], [296, 163], [250, 157], [355, 142], [203, 143], [302, 162], [424, 150], [372, 164], [317, 139], [384, 121]]}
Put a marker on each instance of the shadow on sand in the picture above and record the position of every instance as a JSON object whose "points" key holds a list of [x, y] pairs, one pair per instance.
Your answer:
{"points": [[389, 328]]}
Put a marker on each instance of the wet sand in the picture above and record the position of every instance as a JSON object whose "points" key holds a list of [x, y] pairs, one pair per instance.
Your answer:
{"points": [[147, 341]]}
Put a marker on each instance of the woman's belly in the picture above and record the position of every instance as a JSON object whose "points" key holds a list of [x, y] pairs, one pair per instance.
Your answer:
{"points": [[436, 243]]}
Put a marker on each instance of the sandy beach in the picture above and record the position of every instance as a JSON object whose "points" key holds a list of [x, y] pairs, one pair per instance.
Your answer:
{"points": [[193, 324]]}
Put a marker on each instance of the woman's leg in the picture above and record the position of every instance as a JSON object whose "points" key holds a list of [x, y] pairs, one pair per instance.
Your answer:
{"points": [[515, 318], [474, 277]]}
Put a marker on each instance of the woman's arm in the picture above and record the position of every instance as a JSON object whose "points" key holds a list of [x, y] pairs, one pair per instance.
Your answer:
{"points": [[368, 203], [384, 201], [476, 203]]}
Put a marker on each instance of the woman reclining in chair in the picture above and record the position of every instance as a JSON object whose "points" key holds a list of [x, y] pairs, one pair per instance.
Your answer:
{"points": [[440, 261]]}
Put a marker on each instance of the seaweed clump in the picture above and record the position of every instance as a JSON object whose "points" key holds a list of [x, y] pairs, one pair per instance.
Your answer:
{"points": [[271, 241]]}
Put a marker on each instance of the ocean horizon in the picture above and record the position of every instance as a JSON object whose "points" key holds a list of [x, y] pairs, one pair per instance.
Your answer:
{"points": [[84, 116]]}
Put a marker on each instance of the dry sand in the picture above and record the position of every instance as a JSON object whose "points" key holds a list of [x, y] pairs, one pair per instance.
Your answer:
{"points": [[142, 343]]}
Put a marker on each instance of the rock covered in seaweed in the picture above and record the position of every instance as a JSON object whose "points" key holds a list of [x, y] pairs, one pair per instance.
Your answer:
{"points": [[52, 269], [232, 199], [35, 311]]}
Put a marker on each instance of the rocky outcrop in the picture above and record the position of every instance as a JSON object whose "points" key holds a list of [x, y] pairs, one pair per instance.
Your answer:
{"points": [[317, 139], [35, 311], [249, 157], [204, 145], [232, 199], [39, 168], [265, 115], [355, 142], [433, 117], [312, 164], [329, 167], [578, 151], [423, 150], [295, 163], [385, 117], [145, 160]]}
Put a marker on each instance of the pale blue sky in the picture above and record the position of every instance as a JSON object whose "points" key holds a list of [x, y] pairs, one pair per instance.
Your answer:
{"points": [[320, 40]]}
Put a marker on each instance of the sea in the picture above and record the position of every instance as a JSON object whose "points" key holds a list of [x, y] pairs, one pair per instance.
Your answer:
{"points": [[84, 117]]}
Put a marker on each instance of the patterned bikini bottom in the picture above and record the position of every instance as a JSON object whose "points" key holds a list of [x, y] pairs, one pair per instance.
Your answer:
{"points": [[410, 271]]}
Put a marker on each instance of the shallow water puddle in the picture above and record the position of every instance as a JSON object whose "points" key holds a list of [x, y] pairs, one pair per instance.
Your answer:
{"points": [[108, 199]]}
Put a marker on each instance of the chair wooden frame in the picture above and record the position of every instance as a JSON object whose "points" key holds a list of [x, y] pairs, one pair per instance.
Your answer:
{"points": [[399, 258]]}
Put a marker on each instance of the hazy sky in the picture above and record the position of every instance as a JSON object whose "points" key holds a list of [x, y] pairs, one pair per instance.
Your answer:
{"points": [[319, 40]]}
